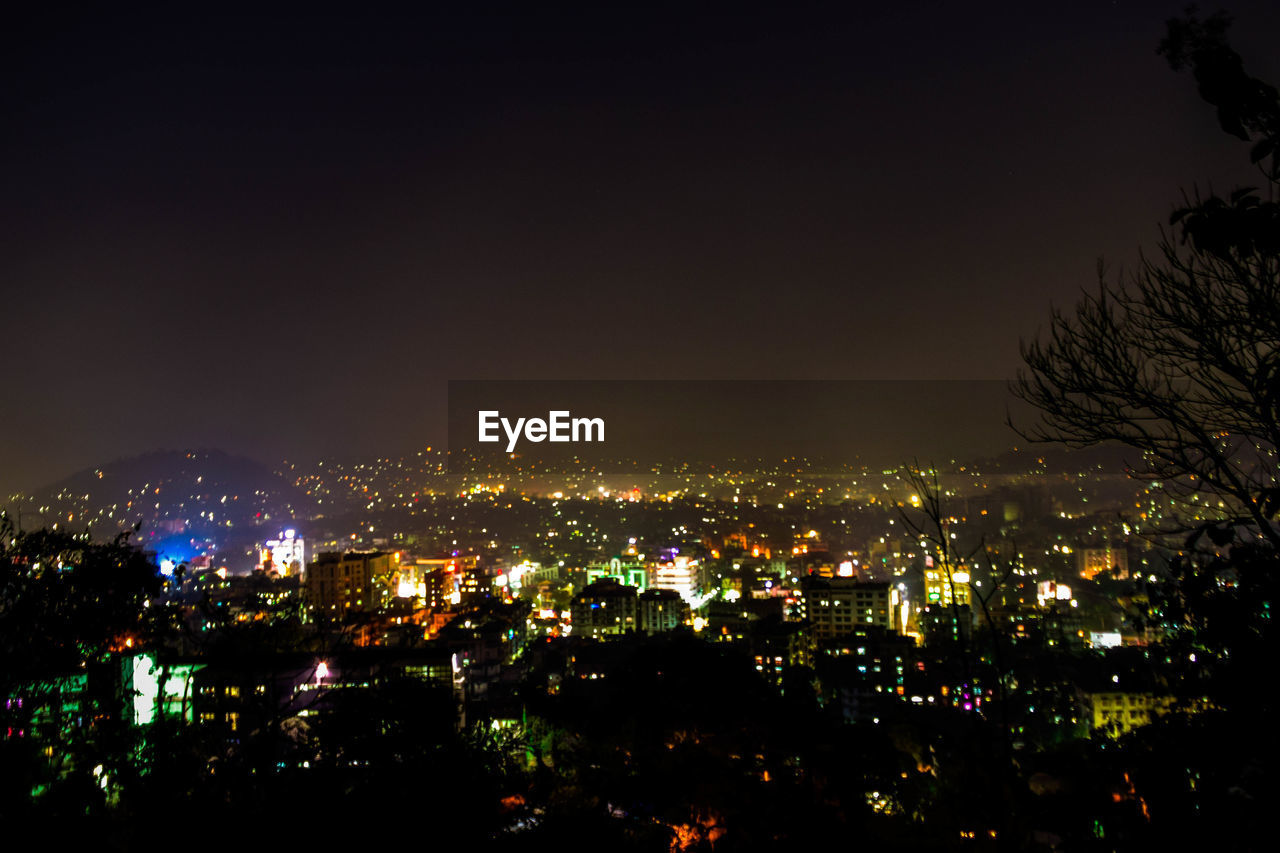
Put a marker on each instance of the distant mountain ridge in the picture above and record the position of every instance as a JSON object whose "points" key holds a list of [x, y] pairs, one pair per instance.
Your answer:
{"points": [[189, 499]]}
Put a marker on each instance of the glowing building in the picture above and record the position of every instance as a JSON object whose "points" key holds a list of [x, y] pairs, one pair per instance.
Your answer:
{"points": [[939, 589], [1093, 561], [682, 575], [286, 556], [1048, 592], [630, 572]]}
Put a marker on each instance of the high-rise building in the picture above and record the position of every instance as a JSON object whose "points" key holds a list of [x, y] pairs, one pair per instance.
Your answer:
{"points": [[1093, 561], [661, 610], [837, 606], [604, 608], [338, 583]]}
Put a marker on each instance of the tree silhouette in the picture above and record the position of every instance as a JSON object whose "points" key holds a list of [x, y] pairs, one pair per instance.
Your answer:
{"points": [[68, 608], [1181, 359]]}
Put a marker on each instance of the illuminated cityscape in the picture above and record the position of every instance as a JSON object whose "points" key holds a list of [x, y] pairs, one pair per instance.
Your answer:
{"points": [[641, 429], [506, 603]]}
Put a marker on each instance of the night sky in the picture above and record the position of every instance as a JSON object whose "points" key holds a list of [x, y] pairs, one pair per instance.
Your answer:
{"points": [[281, 236]]}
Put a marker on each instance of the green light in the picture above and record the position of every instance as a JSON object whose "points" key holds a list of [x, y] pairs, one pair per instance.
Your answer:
{"points": [[143, 681]]}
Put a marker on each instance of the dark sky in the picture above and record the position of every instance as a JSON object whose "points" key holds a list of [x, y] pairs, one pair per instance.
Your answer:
{"points": [[282, 235]]}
